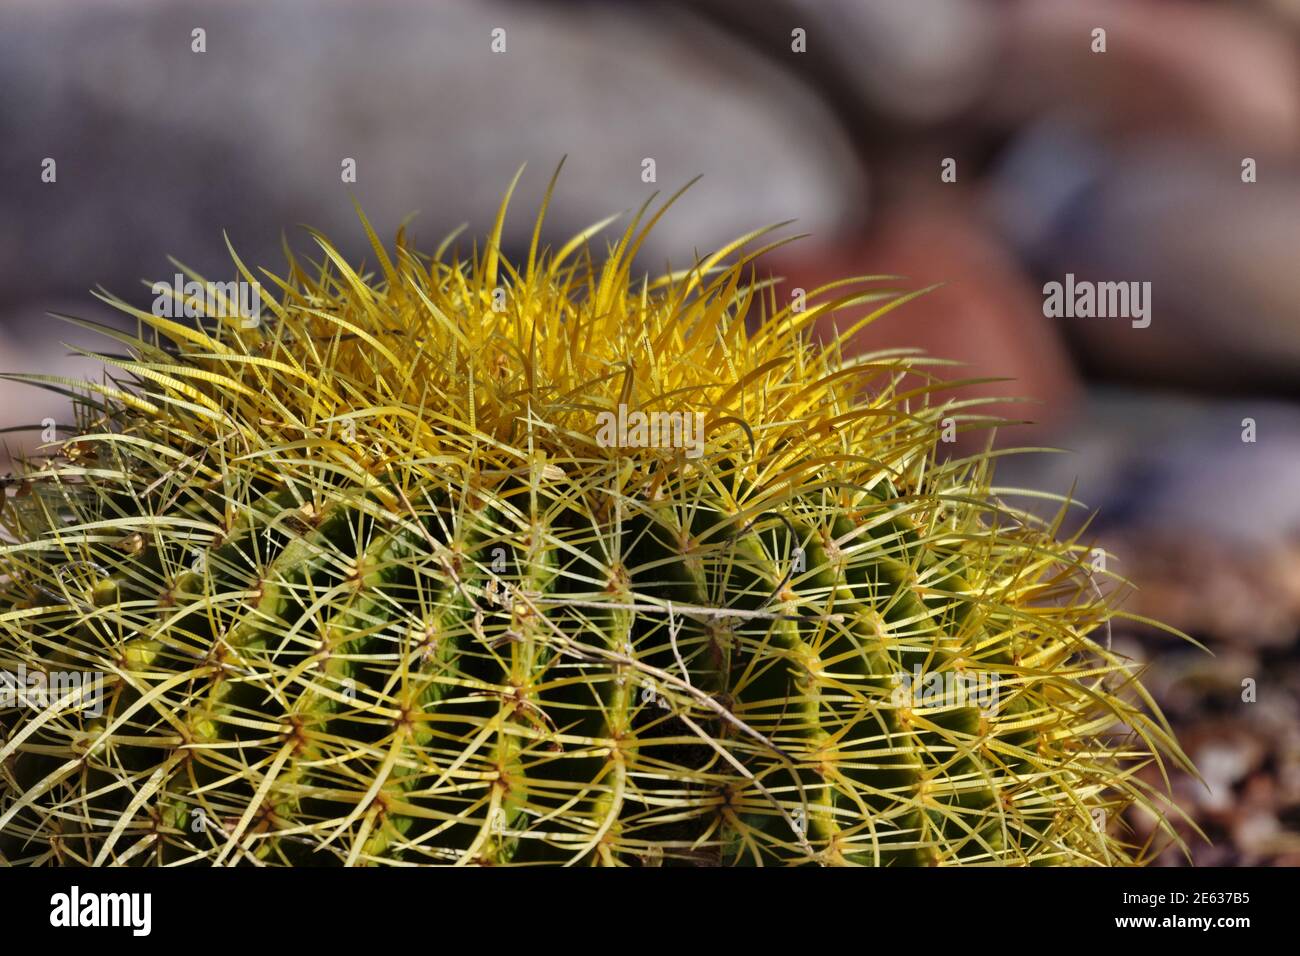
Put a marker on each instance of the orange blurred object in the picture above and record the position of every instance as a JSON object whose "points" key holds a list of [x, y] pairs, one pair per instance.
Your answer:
{"points": [[986, 314]]}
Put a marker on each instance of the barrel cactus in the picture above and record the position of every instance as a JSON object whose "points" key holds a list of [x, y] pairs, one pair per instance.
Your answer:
{"points": [[473, 562]]}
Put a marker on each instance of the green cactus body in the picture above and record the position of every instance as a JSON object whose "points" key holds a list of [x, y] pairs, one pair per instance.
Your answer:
{"points": [[469, 633]]}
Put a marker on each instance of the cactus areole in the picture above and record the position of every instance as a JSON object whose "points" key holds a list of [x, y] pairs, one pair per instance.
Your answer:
{"points": [[452, 559]]}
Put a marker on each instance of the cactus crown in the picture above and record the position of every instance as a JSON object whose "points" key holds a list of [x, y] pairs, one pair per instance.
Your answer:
{"points": [[472, 561]]}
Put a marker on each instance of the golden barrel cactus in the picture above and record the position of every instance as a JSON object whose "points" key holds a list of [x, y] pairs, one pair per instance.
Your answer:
{"points": [[478, 562]]}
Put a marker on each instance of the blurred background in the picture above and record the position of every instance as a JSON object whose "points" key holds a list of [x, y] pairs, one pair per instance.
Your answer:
{"points": [[1123, 165]]}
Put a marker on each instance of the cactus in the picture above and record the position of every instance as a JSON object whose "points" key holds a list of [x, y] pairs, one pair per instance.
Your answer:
{"points": [[472, 561]]}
